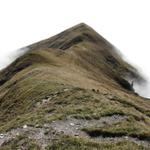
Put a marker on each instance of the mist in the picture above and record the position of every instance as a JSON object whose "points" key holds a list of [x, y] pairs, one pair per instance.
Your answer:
{"points": [[9, 56], [141, 87]]}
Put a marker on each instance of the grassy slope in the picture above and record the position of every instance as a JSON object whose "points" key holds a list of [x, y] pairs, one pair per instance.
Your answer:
{"points": [[89, 62]]}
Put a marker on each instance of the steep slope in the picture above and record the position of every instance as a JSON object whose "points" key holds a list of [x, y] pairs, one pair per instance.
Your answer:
{"points": [[74, 76]]}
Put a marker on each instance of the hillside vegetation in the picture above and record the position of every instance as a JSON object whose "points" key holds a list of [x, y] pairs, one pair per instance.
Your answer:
{"points": [[72, 91]]}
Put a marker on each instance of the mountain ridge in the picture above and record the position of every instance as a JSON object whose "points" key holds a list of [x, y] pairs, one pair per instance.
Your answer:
{"points": [[57, 42], [72, 77]]}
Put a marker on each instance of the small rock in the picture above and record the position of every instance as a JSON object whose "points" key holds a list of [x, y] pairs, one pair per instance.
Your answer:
{"points": [[25, 126], [45, 101], [105, 93], [37, 125], [126, 137], [17, 134], [110, 97], [72, 124], [46, 125], [1, 136], [66, 90], [38, 104]]}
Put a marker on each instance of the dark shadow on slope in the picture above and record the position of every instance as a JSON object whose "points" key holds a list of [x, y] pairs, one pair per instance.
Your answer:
{"points": [[72, 41], [107, 134], [124, 83]]}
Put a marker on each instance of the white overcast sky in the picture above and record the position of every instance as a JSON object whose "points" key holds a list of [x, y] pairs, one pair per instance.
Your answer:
{"points": [[125, 23]]}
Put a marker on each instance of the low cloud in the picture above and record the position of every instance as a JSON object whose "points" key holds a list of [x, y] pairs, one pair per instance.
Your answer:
{"points": [[141, 85], [9, 56], [143, 89]]}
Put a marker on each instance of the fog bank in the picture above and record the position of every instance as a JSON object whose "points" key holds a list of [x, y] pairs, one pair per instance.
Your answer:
{"points": [[9, 56], [141, 87]]}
